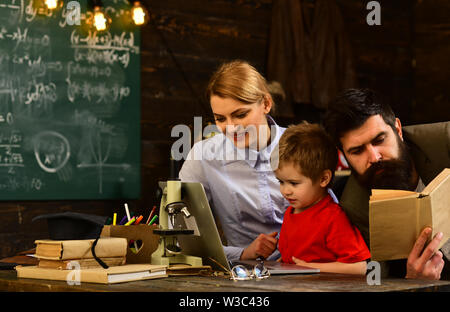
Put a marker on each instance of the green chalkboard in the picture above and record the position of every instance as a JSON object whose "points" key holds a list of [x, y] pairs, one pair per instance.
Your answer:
{"points": [[69, 104]]}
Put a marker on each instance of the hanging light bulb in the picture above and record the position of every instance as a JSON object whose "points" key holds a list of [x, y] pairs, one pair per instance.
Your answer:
{"points": [[100, 20], [139, 13], [97, 19], [51, 4], [46, 7]]}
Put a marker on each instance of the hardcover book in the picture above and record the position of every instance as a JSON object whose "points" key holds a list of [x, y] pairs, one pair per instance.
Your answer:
{"points": [[86, 263], [116, 274], [80, 249]]}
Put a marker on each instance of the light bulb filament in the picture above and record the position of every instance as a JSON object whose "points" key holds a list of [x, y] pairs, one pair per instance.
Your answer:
{"points": [[100, 21], [138, 15], [51, 4]]}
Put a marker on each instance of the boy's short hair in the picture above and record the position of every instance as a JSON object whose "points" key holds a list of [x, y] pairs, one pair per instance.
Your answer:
{"points": [[310, 148]]}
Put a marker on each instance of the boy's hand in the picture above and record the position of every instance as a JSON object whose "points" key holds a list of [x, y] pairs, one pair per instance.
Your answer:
{"points": [[299, 261], [263, 246]]}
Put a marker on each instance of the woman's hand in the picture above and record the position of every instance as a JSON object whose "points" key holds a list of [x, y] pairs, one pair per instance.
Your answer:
{"points": [[263, 246]]}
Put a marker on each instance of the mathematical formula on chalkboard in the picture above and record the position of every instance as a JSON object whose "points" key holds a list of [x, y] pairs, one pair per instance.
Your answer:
{"points": [[69, 106]]}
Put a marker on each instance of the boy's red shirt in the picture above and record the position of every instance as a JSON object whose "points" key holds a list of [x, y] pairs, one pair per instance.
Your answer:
{"points": [[321, 233]]}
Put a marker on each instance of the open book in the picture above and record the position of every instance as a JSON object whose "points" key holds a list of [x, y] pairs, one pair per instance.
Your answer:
{"points": [[397, 217]]}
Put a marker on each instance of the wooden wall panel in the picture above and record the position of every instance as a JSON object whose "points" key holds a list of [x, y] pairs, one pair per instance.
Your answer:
{"points": [[432, 51], [383, 54]]}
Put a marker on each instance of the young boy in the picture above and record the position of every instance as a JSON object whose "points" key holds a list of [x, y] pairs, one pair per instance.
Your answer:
{"points": [[315, 230]]}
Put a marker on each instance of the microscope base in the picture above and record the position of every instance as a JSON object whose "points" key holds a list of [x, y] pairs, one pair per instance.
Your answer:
{"points": [[162, 257]]}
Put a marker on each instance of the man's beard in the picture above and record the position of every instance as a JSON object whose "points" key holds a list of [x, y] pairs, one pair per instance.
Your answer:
{"points": [[394, 174]]}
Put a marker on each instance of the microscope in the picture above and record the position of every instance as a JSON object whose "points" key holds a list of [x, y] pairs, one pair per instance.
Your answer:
{"points": [[171, 209]]}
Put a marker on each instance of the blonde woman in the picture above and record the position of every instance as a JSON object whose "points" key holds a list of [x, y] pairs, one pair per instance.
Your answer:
{"points": [[234, 166]]}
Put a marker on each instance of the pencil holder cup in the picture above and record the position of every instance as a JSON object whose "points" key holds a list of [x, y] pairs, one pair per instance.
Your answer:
{"points": [[141, 240]]}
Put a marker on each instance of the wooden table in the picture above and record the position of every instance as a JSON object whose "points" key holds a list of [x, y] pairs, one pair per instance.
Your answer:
{"points": [[209, 293], [323, 282]]}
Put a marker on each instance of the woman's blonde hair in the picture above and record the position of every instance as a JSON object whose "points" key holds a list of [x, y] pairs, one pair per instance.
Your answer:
{"points": [[240, 81]]}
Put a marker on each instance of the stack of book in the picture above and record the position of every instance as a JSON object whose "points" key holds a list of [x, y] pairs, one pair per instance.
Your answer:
{"points": [[73, 261]]}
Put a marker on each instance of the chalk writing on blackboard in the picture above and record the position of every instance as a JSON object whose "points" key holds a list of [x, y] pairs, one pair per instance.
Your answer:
{"points": [[52, 150], [69, 104]]}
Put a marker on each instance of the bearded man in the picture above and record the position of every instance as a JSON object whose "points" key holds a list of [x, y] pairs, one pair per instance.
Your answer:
{"points": [[383, 154]]}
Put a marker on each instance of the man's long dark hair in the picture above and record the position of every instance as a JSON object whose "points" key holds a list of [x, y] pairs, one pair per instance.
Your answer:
{"points": [[351, 109]]}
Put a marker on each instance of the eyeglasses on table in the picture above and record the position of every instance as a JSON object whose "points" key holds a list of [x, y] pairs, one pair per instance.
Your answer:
{"points": [[241, 273]]}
